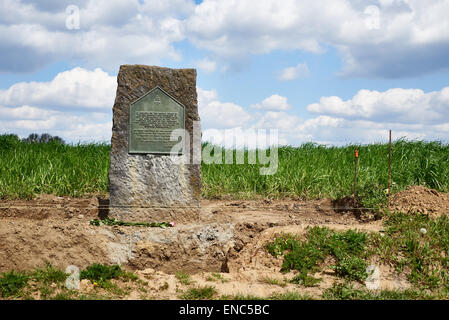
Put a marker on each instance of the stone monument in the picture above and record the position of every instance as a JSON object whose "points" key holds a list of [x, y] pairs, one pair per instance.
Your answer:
{"points": [[155, 170]]}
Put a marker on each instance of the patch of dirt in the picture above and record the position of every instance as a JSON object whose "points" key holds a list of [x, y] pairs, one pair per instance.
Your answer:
{"points": [[56, 230], [420, 199], [228, 241]]}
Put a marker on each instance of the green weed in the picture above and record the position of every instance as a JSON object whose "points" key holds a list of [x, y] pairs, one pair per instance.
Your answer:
{"points": [[347, 248], [184, 278], [101, 275], [49, 275], [290, 295], [11, 283], [200, 293], [424, 256], [346, 291], [273, 281]]}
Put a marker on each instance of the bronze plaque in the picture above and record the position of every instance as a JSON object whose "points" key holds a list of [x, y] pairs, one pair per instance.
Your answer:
{"points": [[152, 119]]}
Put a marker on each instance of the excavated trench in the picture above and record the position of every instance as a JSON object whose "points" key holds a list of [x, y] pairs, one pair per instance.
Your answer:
{"points": [[56, 230]]}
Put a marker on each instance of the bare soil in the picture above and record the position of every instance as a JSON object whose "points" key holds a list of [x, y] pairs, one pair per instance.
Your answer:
{"points": [[224, 249], [421, 199]]}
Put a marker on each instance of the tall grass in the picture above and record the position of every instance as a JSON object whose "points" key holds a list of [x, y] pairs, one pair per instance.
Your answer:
{"points": [[27, 169], [308, 171], [316, 171]]}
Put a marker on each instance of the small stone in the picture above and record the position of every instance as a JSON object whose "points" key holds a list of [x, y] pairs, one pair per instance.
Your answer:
{"points": [[80, 216]]}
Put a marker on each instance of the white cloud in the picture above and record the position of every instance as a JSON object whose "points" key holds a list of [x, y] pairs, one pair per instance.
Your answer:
{"points": [[394, 105], [76, 105], [206, 65], [76, 88], [366, 118], [70, 126], [112, 32], [274, 102], [216, 114], [401, 38], [292, 73]]}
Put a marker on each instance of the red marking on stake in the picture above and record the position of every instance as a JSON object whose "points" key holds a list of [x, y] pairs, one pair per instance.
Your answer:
{"points": [[356, 153]]}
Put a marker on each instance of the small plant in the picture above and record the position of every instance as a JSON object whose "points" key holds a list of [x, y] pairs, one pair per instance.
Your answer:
{"points": [[305, 280], [201, 293], [405, 245], [49, 275], [184, 278], [290, 295], [273, 281], [241, 297], [346, 291], [129, 276], [11, 283], [63, 296], [348, 248], [216, 277], [101, 274], [351, 268], [112, 288]]}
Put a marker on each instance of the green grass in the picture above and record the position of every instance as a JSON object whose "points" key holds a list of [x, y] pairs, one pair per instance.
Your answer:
{"points": [[272, 281], [314, 171], [348, 249], [424, 257], [242, 297], [11, 283], [101, 272], [288, 295], [308, 171], [183, 277], [200, 293], [346, 291], [49, 275], [49, 283], [52, 168]]}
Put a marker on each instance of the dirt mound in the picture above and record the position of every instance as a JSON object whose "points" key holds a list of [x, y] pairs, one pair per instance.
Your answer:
{"points": [[420, 199]]}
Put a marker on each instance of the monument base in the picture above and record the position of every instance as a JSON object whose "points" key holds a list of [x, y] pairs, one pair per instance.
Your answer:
{"points": [[177, 215]]}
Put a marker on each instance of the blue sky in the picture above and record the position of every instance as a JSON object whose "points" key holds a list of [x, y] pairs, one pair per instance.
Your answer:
{"points": [[328, 71]]}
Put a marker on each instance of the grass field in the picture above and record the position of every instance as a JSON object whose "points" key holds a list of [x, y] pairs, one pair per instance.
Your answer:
{"points": [[308, 171]]}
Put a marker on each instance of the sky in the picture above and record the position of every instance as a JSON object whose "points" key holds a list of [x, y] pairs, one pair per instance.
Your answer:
{"points": [[327, 71]]}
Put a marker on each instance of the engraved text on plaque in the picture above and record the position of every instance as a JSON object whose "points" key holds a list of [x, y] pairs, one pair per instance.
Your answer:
{"points": [[153, 118]]}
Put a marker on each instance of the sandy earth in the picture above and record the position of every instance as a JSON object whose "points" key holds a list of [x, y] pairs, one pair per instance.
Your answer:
{"points": [[224, 249]]}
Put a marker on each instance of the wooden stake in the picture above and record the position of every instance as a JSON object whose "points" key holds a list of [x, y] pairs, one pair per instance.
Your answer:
{"points": [[355, 175], [389, 173]]}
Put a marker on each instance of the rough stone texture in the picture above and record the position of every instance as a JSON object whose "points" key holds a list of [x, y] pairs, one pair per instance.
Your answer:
{"points": [[148, 187]]}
